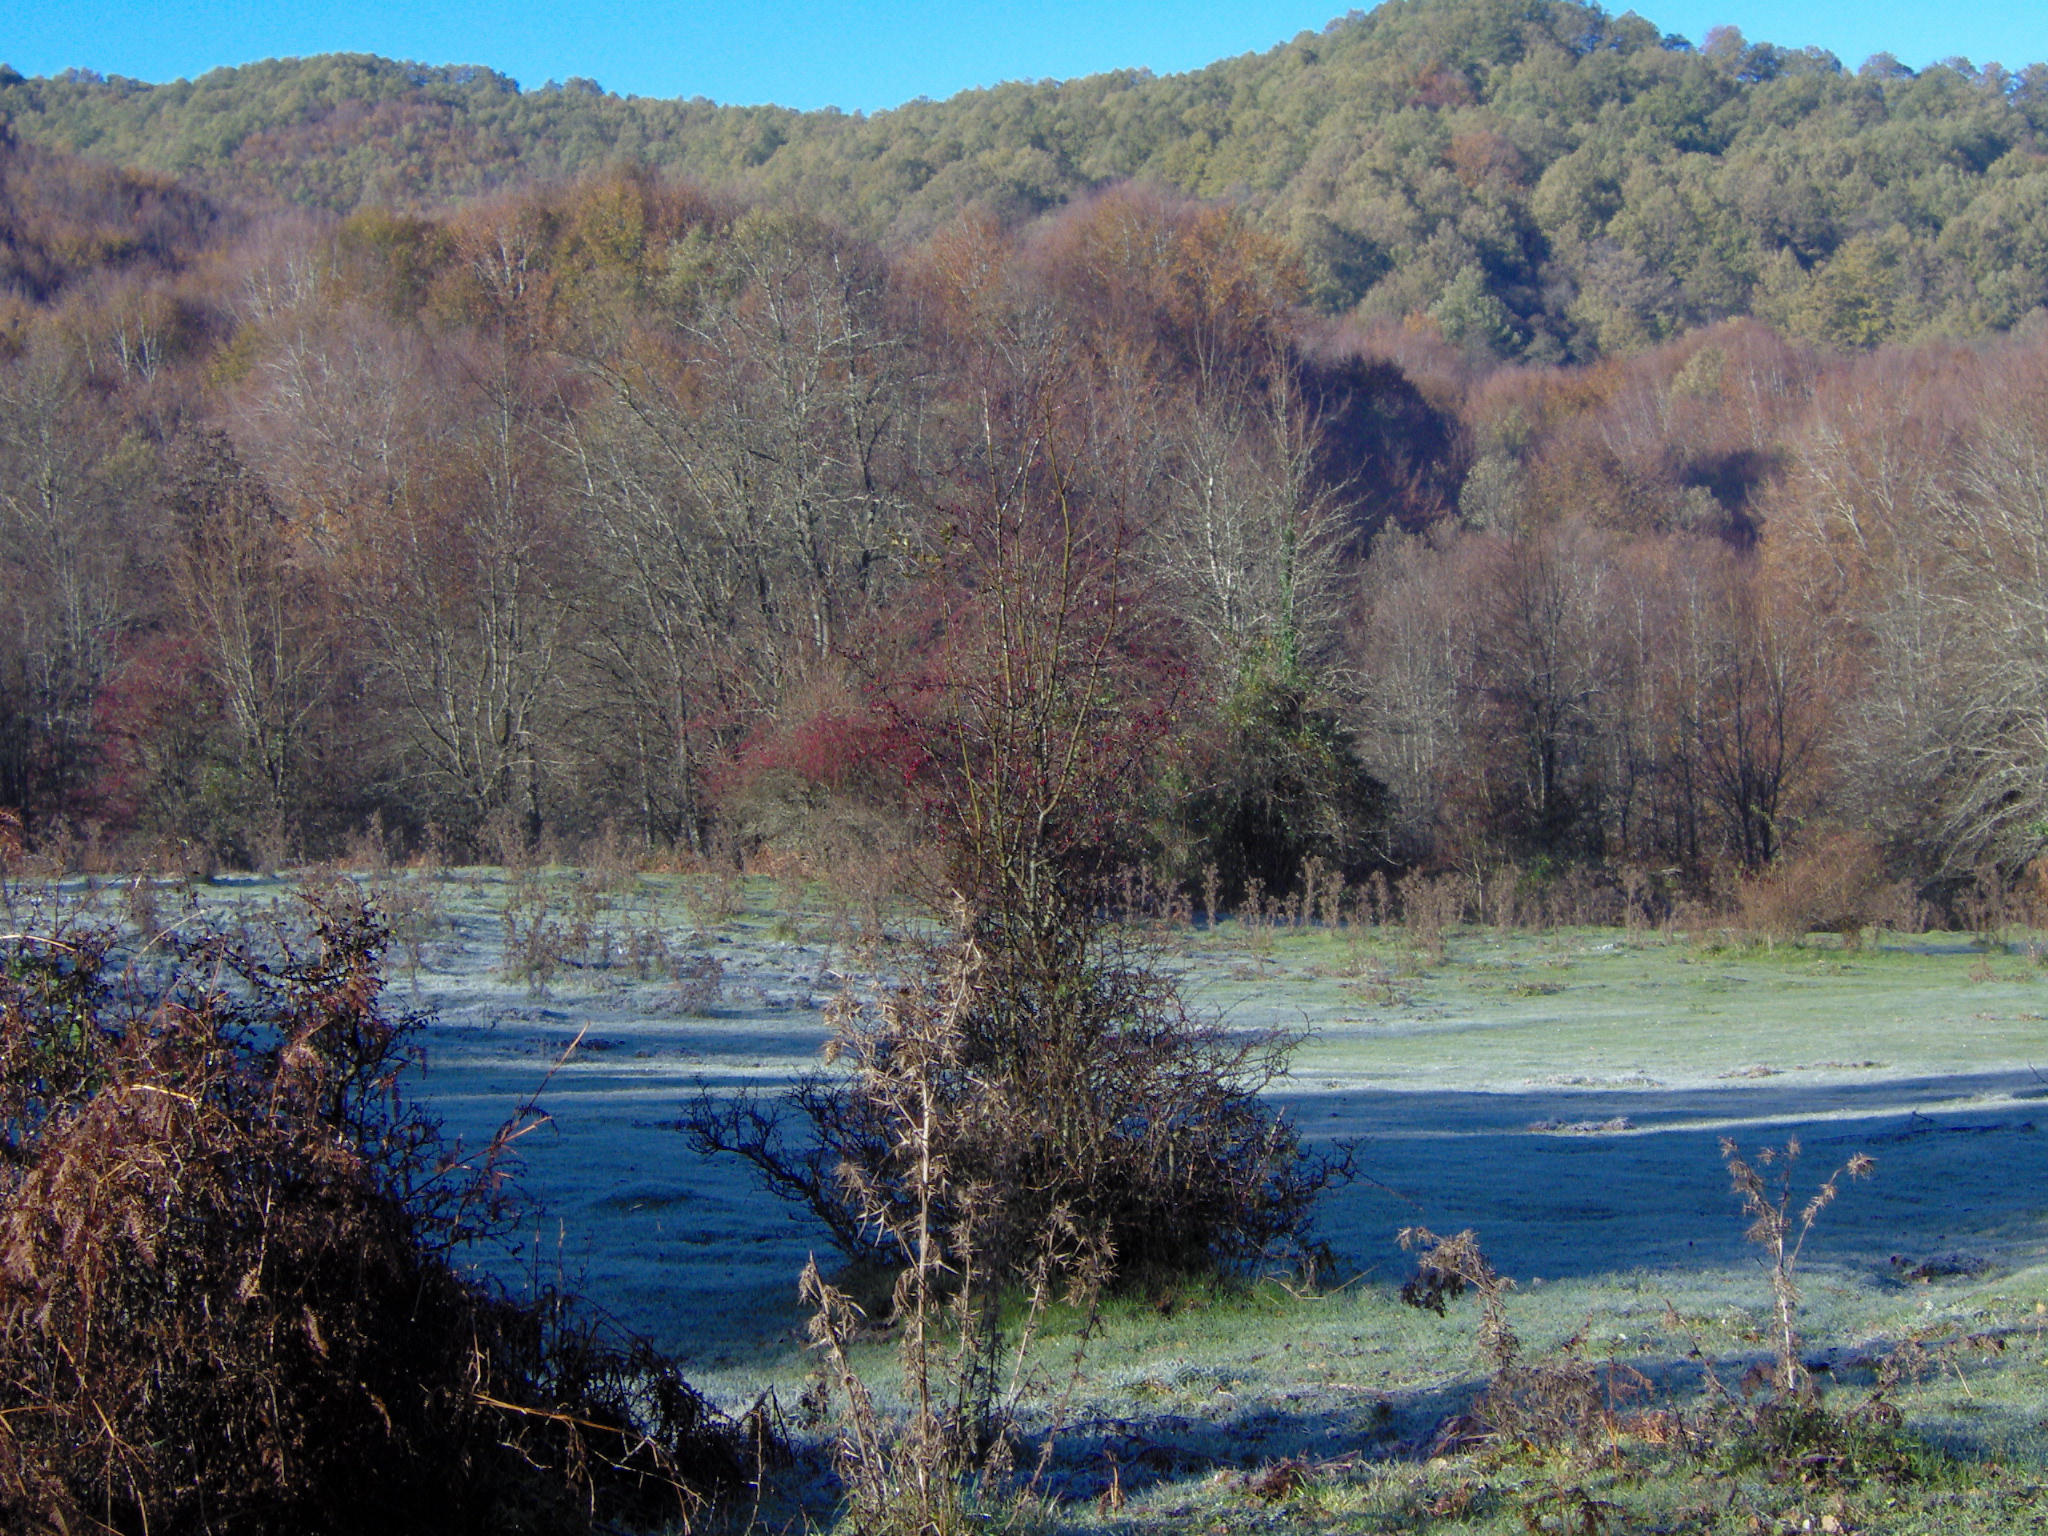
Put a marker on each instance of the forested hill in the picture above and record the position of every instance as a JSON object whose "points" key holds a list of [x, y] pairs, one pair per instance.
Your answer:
{"points": [[1546, 180]]}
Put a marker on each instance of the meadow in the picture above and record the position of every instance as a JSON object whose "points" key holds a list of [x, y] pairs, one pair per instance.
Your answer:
{"points": [[1563, 1093]]}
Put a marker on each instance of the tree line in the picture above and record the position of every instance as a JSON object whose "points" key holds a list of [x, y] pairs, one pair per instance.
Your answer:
{"points": [[1551, 183], [617, 507]]}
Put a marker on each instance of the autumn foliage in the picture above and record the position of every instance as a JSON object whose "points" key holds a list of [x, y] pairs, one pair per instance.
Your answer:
{"points": [[618, 503], [230, 1296]]}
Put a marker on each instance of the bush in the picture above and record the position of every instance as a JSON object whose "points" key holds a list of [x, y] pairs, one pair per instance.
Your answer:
{"points": [[1836, 886], [1274, 783], [227, 1301], [950, 1467], [1094, 1095]]}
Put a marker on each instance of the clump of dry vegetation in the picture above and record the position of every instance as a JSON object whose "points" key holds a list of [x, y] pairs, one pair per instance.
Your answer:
{"points": [[229, 1293], [1835, 886], [958, 1243], [1558, 1401], [1563, 1403]]}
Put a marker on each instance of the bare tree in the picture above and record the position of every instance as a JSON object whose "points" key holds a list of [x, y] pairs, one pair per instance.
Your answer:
{"points": [[67, 567], [1989, 634], [1759, 732], [250, 597], [1913, 527], [748, 472], [1248, 548], [1412, 656], [1545, 674], [467, 591], [426, 476]]}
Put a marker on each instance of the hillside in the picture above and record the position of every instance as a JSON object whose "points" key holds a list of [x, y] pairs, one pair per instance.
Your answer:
{"points": [[1547, 181]]}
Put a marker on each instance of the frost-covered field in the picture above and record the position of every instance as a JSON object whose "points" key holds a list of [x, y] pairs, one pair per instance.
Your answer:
{"points": [[1562, 1093]]}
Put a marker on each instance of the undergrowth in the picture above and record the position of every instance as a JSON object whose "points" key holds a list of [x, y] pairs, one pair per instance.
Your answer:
{"points": [[229, 1292], [1544, 1431]]}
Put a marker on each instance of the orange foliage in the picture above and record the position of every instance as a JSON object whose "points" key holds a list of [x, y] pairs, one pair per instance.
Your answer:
{"points": [[1183, 286]]}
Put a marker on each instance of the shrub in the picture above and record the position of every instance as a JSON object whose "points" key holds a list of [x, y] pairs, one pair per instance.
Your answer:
{"points": [[227, 1299], [1836, 886], [948, 1467], [1094, 1094]]}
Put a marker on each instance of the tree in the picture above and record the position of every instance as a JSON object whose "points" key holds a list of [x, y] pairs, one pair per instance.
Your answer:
{"points": [[1760, 729], [1073, 1091], [1981, 617], [465, 585], [749, 471], [252, 599], [1247, 550], [69, 484], [1856, 534], [1545, 672], [1413, 652]]}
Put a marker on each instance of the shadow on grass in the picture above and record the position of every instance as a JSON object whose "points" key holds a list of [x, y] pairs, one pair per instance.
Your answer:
{"points": [[1560, 1204]]}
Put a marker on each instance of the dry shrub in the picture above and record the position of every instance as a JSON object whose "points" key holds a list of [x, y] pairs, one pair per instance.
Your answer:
{"points": [[179, 858], [1431, 905], [506, 838], [1559, 1401], [368, 848], [536, 945], [863, 882], [1146, 897], [139, 905], [1835, 886], [957, 1245], [1499, 899], [411, 912], [1992, 906], [1093, 1093], [699, 985], [1582, 897], [715, 886], [1648, 898], [226, 1296], [2031, 894], [1782, 1422], [1256, 917], [609, 862]]}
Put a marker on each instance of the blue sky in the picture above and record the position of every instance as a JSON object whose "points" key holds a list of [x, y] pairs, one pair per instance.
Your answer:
{"points": [[812, 53]]}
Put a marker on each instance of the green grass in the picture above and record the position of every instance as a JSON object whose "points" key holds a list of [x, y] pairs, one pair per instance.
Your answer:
{"points": [[1249, 1408]]}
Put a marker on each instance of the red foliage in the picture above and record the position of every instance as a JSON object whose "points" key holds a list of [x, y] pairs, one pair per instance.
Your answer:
{"points": [[152, 719]]}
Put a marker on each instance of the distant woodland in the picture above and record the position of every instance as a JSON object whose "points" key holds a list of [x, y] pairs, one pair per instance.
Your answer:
{"points": [[1549, 182], [1486, 433]]}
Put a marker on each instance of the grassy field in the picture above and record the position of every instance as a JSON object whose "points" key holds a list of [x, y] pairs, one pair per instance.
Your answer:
{"points": [[1562, 1093]]}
